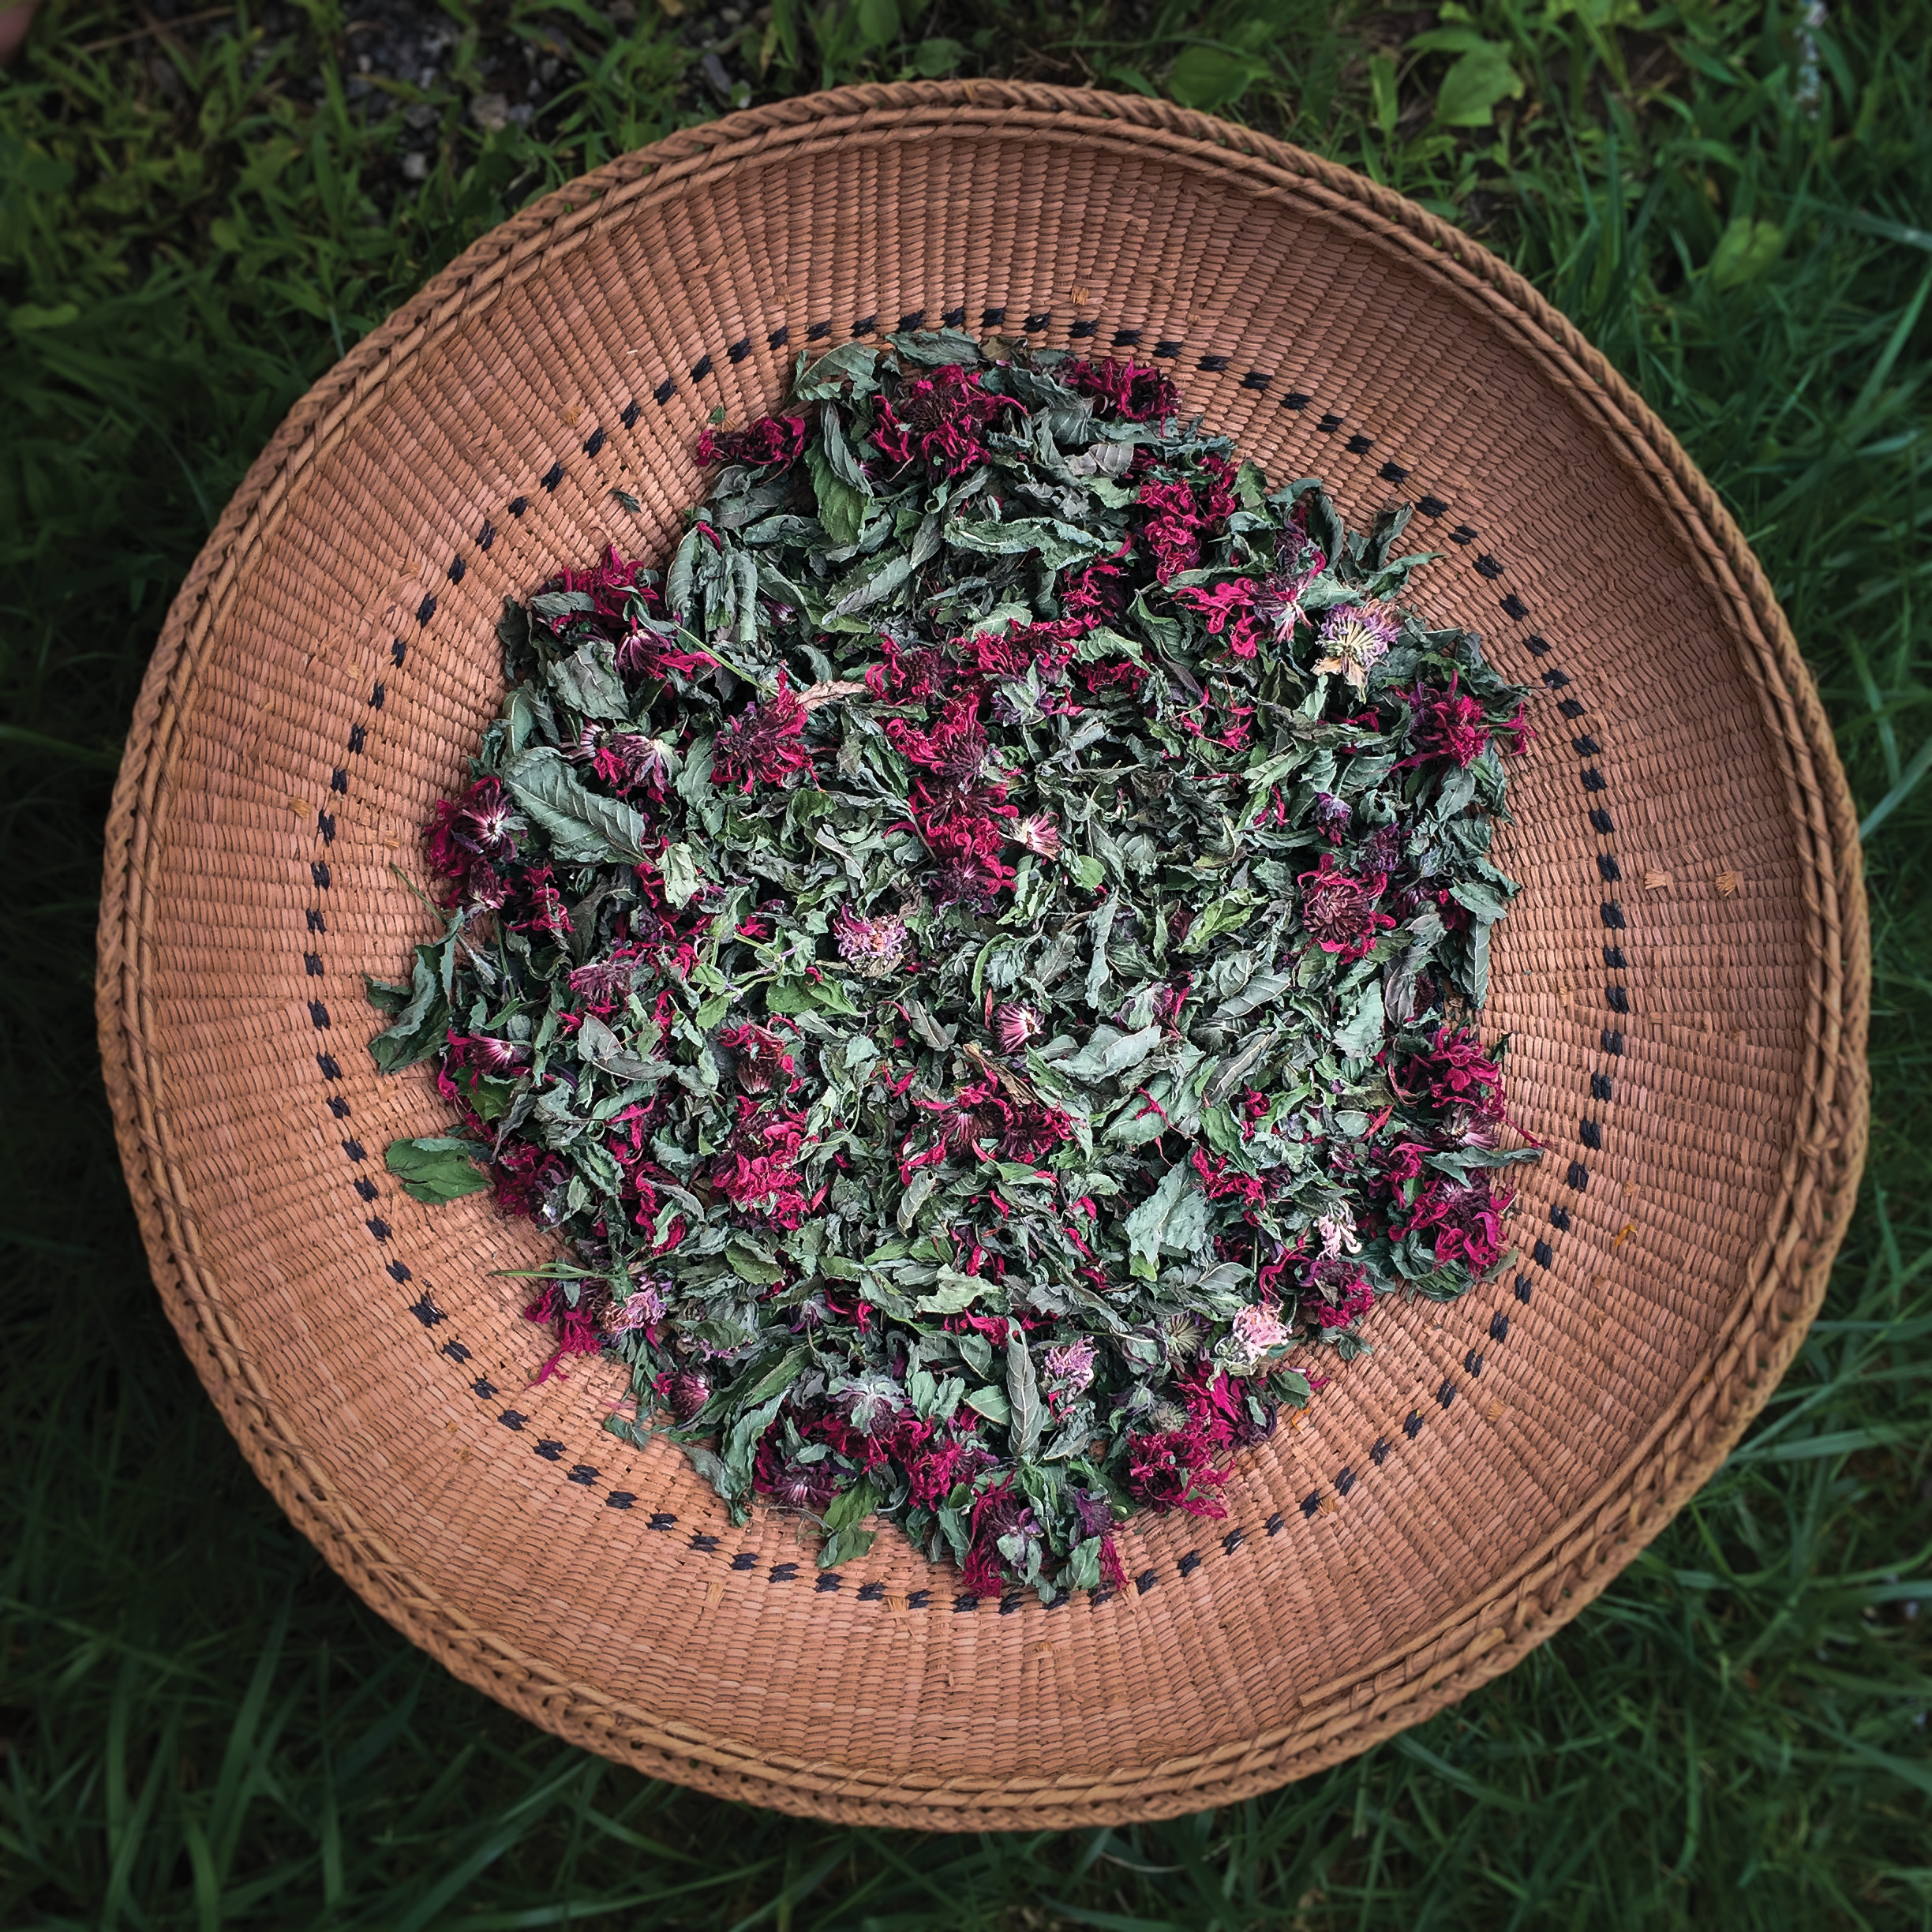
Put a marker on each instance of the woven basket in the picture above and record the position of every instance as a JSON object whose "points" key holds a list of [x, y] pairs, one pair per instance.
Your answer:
{"points": [[1684, 977]]}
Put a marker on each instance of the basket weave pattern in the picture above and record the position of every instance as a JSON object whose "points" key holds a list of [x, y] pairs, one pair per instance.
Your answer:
{"points": [[1684, 976]]}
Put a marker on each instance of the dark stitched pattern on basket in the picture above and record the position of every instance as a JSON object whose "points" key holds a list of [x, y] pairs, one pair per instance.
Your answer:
{"points": [[1590, 1130]]}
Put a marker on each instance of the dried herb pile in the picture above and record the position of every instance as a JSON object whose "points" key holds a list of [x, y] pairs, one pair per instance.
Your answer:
{"points": [[976, 960]]}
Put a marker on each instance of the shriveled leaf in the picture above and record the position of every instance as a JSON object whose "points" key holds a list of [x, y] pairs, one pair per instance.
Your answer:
{"points": [[583, 827]]}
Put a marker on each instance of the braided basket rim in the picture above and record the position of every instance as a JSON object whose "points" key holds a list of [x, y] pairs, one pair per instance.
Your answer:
{"points": [[1786, 1277]]}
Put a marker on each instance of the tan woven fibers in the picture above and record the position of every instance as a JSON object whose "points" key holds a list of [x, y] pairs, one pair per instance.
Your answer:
{"points": [[1684, 977]]}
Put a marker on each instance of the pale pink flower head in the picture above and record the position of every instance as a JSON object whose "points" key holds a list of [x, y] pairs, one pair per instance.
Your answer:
{"points": [[1258, 1327], [872, 947], [1338, 1233], [1015, 1025], [1038, 834], [1070, 1366], [639, 1309], [1355, 637]]}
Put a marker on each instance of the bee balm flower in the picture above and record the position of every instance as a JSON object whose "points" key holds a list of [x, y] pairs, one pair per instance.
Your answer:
{"points": [[874, 947]]}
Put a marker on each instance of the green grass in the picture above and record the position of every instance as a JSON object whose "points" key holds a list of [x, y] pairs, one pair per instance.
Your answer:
{"points": [[202, 1727]]}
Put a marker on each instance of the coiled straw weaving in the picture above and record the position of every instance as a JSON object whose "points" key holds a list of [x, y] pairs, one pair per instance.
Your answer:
{"points": [[1684, 977]]}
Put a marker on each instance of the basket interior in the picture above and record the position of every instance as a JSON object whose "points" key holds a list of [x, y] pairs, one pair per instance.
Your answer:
{"points": [[1658, 978]]}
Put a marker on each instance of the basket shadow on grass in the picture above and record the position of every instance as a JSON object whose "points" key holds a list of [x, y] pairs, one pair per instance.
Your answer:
{"points": [[202, 1727]]}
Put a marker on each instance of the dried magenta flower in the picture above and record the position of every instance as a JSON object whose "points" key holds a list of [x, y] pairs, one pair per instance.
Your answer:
{"points": [[771, 440], [1338, 910]]}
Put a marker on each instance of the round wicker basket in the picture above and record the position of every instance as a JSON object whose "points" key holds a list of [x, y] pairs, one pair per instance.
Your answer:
{"points": [[1684, 977]]}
